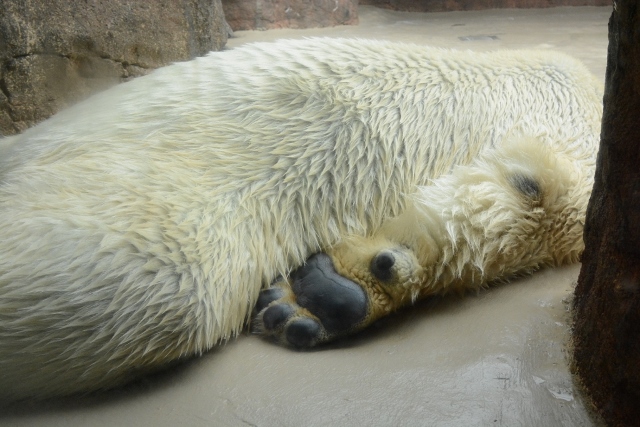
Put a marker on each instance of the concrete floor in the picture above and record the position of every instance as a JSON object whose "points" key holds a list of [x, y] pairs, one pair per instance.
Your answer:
{"points": [[498, 358]]}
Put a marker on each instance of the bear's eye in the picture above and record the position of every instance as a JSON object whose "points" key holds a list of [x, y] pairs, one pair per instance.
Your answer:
{"points": [[382, 265]]}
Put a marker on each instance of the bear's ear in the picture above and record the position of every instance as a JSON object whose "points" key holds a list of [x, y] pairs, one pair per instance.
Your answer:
{"points": [[414, 230], [382, 265], [395, 268]]}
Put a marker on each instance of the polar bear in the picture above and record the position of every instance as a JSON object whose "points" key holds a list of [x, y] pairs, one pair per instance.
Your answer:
{"points": [[139, 227]]}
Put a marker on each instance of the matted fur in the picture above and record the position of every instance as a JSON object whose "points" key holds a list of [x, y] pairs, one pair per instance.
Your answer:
{"points": [[137, 227]]}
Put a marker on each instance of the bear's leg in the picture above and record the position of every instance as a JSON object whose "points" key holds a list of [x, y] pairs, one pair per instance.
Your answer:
{"points": [[314, 305], [510, 212]]}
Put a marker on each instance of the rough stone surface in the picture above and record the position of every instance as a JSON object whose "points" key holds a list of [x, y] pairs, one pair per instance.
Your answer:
{"points": [[607, 303], [56, 52], [268, 14], [451, 5]]}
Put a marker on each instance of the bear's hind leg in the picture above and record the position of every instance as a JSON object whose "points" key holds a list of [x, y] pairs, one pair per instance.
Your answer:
{"points": [[339, 292]]}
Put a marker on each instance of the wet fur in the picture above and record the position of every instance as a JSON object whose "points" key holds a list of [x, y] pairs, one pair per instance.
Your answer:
{"points": [[138, 227]]}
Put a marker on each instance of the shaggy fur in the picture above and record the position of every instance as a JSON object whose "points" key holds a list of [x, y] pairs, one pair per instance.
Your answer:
{"points": [[138, 227]]}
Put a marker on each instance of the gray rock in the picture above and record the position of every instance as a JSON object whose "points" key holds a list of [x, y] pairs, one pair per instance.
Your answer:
{"points": [[54, 53]]}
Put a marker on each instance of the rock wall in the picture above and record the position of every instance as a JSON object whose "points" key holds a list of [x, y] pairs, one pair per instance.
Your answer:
{"points": [[54, 53], [607, 298], [268, 14], [451, 5]]}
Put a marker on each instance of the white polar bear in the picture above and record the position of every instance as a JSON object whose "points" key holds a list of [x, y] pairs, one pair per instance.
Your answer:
{"points": [[138, 227]]}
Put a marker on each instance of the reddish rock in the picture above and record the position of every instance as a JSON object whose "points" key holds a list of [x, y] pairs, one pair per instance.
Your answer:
{"points": [[268, 14], [451, 5]]}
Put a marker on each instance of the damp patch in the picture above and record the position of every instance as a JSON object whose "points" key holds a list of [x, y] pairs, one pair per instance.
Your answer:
{"points": [[480, 37]]}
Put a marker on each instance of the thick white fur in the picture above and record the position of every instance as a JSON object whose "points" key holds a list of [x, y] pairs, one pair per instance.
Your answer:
{"points": [[137, 227]]}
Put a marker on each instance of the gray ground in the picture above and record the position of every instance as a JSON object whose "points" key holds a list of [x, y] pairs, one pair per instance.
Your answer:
{"points": [[498, 358]]}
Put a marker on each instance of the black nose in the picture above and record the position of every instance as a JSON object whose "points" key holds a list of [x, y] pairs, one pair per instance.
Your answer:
{"points": [[339, 303], [382, 266]]}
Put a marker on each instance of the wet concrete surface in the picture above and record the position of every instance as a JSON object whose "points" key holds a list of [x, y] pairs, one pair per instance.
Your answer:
{"points": [[498, 358]]}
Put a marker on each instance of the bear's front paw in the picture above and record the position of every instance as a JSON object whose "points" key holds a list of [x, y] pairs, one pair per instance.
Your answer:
{"points": [[314, 305]]}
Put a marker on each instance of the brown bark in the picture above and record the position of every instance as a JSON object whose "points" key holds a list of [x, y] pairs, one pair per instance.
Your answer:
{"points": [[607, 304]]}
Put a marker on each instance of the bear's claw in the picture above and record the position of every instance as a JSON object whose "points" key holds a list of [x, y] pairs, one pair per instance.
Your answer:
{"points": [[316, 305]]}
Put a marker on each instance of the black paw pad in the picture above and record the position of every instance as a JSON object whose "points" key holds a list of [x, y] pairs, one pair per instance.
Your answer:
{"points": [[303, 333], [276, 315], [267, 296], [336, 301]]}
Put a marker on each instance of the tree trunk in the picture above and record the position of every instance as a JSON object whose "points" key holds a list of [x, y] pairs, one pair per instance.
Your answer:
{"points": [[607, 303]]}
